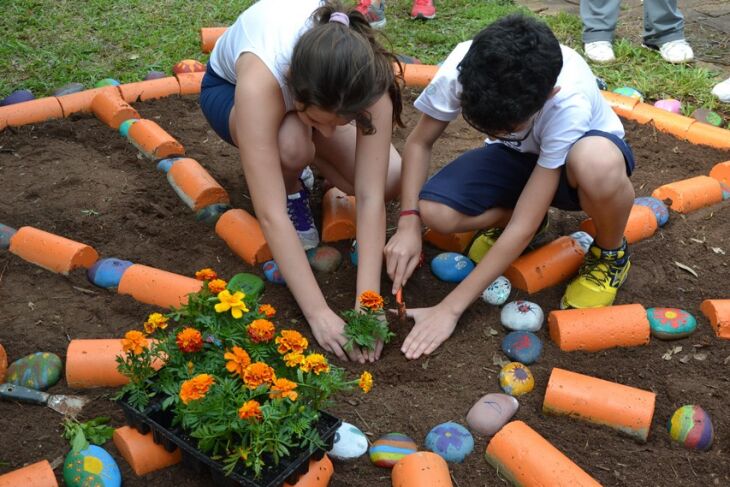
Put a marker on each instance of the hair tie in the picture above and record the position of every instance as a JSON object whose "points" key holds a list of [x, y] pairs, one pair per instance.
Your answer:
{"points": [[340, 17]]}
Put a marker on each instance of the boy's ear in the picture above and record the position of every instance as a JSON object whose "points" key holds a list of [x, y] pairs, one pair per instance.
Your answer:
{"points": [[554, 92]]}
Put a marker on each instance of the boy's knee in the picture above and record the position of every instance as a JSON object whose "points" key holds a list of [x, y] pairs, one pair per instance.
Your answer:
{"points": [[596, 162]]}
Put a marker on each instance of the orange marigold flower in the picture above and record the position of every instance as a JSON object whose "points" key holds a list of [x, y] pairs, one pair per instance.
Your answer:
{"points": [[206, 274], [261, 331], [217, 285], [294, 359], [291, 341], [250, 410], [283, 388], [267, 310], [371, 300], [196, 388], [189, 340], [366, 382], [134, 341], [315, 362], [155, 321], [238, 360], [258, 373]]}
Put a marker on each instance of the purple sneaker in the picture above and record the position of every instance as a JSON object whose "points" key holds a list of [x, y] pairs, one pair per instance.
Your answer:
{"points": [[300, 214]]}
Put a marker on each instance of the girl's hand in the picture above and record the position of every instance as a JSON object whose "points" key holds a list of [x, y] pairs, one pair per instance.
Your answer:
{"points": [[328, 329], [403, 252], [433, 326]]}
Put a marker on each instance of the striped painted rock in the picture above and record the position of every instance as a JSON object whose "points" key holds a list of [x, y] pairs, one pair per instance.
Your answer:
{"points": [[390, 448]]}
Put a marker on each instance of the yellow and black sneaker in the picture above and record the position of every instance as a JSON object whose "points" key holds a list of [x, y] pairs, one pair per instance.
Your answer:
{"points": [[603, 272], [485, 240]]}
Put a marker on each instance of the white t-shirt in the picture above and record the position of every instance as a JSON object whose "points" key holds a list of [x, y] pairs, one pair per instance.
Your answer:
{"points": [[577, 108], [270, 29]]}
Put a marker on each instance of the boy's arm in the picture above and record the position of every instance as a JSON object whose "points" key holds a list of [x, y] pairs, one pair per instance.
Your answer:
{"points": [[403, 250], [434, 325]]}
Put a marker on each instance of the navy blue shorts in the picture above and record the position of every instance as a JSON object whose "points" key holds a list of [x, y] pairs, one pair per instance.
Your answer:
{"points": [[495, 175], [216, 100]]}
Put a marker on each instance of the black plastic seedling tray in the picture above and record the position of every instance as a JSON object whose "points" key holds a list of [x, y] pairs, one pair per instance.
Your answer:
{"points": [[289, 469]]}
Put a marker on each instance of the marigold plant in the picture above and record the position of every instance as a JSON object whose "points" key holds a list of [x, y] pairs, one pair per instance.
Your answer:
{"points": [[247, 391], [366, 326]]}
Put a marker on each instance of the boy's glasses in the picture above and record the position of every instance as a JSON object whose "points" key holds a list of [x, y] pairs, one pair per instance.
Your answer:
{"points": [[509, 138]]}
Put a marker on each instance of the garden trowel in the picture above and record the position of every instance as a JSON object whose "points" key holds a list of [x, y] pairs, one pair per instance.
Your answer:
{"points": [[67, 405]]}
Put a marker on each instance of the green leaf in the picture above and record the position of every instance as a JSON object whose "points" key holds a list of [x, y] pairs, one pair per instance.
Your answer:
{"points": [[79, 443]]}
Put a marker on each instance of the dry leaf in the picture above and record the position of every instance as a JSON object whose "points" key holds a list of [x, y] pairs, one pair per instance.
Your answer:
{"points": [[686, 268], [700, 356], [492, 331], [697, 240], [677, 349], [684, 359], [498, 360], [668, 355], [718, 250], [727, 360]]}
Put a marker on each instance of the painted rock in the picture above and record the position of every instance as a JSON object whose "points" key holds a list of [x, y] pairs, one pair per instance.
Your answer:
{"points": [[324, 259], [522, 316], [691, 427], [516, 379], [249, 284], [602, 85], [3, 363], [166, 164], [661, 212], [707, 116], [213, 340], [350, 443], [18, 96], [725, 191], [91, 467], [126, 125], [108, 272], [491, 412], [451, 441], [271, 272], [38, 370], [69, 89], [353, 253], [155, 75], [630, 92], [107, 82], [497, 293], [522, 346], [583, 239], [669, 104], [451, 267], [387, 450], [6, 233], [670, 323], [211, 213], [188, 66]]}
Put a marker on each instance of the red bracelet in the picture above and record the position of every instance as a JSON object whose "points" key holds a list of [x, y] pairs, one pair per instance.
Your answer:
{"points": [[410, 212]]}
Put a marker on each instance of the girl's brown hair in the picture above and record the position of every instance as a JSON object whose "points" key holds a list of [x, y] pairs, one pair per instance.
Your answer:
{"points": [[343, 69]]}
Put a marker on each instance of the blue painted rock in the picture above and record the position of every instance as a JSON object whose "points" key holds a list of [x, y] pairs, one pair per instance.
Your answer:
{"points": [[602, 85], [19, 96], [451, 441], [271, 272], [353, 253], [155, 75], [669, 104], [107, 273], [497, 293], [126, 125], [583, 239], [214, 340], [387, 450], [211, 213], [165, 164], [69, 89], [6, 233], [522, 346], [522, 316], [661, 212], [670, 323], [91, 467], [249, 284], [691, 427], [725, 191], [516, 379], [38, 370], [707, 116], [324, 259], [491, 412], [106, 82], [630, 92], [451, 267], [350, 443]]}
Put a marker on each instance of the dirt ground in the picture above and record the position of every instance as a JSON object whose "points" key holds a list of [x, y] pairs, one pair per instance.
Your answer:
{"points": [[79, 179]]}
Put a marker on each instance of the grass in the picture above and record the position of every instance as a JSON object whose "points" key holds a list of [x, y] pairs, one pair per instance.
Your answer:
{"points": [[48, 43]]}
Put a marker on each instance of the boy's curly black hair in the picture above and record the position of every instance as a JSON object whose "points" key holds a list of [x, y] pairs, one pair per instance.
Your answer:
{"points": [[508, 73]]}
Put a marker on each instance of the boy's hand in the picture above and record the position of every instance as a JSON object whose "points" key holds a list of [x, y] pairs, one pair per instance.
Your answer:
{"points": [[433, 326], [403, 252], [328, 329]]}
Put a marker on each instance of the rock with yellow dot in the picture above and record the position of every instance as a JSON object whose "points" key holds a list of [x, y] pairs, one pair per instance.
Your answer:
{"points": [[516, 379], [92, 467], [38, 371]]}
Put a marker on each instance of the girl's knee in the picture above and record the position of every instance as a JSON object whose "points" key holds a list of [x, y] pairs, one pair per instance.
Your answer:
{"points": [[438, 216], [296, 148]]}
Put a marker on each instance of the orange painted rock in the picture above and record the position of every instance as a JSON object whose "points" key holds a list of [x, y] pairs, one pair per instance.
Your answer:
{"points": [[188, 66]]}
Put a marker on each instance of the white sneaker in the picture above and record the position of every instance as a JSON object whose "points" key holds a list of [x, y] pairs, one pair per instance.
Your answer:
{"points": [[722, 91], [599, 52], [678, 51], [307, 178], [300, 214]]}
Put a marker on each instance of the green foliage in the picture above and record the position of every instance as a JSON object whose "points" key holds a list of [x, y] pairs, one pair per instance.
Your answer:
{"points": [[96, 431], [366, 327]]}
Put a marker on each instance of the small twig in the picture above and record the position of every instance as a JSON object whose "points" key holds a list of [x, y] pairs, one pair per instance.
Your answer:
{"points": [[690, 466], [84, 290], [603, 468], [456, 482], [3, 271], [674, 470], [363, 420]]}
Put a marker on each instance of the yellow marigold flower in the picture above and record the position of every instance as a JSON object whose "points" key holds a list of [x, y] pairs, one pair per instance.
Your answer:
{"points": [[258, 373], [155, 321], [315, 362], [291, 341], [250, 410], [261, 331], [196, 388], [366, 382], [371, 300], [283, 388], [134, 341], [238, 360], [206, 274], [190, 340], [294, 359], [234, 302], [267, 310], [217, 285]]}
